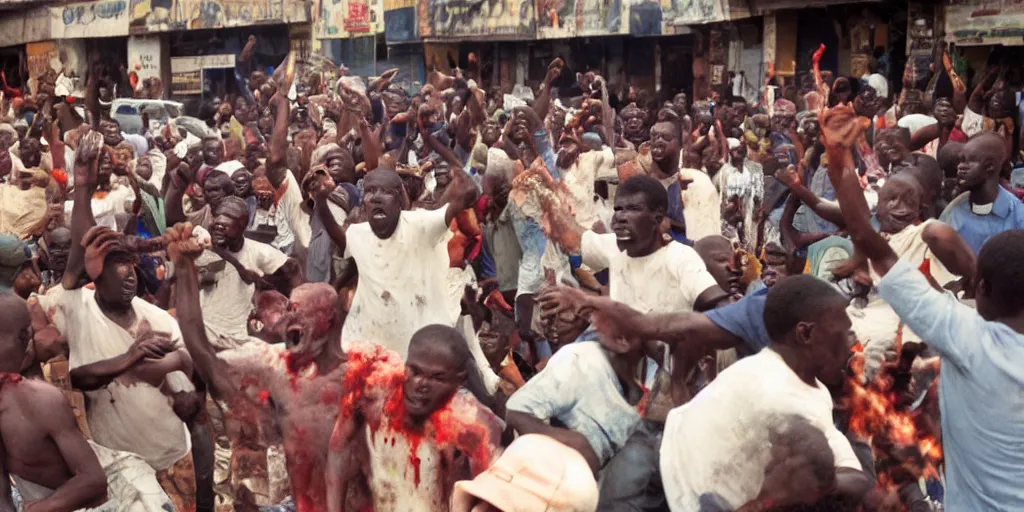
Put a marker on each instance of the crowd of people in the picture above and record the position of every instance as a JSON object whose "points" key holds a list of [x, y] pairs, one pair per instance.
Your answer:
{"points": [[342, 295]]}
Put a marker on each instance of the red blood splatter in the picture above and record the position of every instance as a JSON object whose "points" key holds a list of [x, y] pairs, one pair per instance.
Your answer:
{"points": [[9, 378], [263, 396]]}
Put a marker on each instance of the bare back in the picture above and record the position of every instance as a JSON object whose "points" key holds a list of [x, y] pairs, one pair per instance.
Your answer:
{"points": [[28, 430]]}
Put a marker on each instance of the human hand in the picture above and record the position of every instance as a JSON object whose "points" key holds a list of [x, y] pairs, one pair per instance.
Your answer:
{"points": [[841, 127], [87, 160], [182, 243], [816, 58], [150, 344], [554, 69], [99, 242], [788, 176], [557, 300]]}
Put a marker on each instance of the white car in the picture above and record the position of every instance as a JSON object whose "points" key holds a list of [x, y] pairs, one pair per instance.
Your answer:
{"points": [[128, 113]]}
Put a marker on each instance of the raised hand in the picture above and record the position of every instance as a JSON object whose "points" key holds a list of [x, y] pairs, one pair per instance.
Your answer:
{"points": [[182, 243], [841, 127], [87, 160], [99, 242], [788, 176]]}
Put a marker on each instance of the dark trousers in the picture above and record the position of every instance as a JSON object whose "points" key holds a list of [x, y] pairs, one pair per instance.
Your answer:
{"points": [[631, 481]]}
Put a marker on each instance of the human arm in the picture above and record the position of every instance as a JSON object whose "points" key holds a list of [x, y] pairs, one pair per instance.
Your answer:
{"points": [[920, 138], [243, 60], [959, 88], [827, 210], [524, 423], [542, 104], [182, 249], [51, 132], [460, 195], [96, 375], [371, 145], [950, 249], [340, 469], [86, 177], [276, 164], [977, 100], [174, 209], [322, 209], [840, 130], [87, 486]]}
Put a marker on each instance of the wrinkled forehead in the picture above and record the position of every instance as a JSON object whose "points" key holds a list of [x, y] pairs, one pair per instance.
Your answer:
{"points": [[383, 178]]}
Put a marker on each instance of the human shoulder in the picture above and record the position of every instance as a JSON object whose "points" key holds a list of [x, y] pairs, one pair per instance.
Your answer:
{"points": [[40, 399], [958, 203]]}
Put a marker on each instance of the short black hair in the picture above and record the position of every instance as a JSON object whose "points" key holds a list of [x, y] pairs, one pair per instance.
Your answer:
{"points": [[999, 266], [445, 338], [928, 174], [232, 206], [796, 299], [653, 191]]}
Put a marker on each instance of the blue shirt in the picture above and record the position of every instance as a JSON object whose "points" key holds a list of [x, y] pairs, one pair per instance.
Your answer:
{"points": [[981, 392], [744, 319], [1007, 213]]}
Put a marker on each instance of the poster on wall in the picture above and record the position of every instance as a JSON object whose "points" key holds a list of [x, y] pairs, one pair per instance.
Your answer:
{"points": [[144, 53], [575, 18], [67, 60], [167, 15], [978, 22], [346, 18], [187, 82], [476, 18], [104, 18]]}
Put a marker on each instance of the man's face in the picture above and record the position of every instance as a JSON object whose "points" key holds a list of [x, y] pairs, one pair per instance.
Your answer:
{"points": [[867, 102], [490, 132], [719, 261], [635, 225], [144, 168], [308, 323], [665, 143], [111, 132], [31, 152], [975, 166], [243, 183], [58, 246], [494, 342], [899, 204], [737, 155], [999, 104], [218, 186], [890, 151], [430, 381], [830, 342], [633, 122], [118, 283], [774, 267], [226, 231], [781, 123], [680, 104], [213, 153], [105, 168], [568, 152], [944, 112], [382, 199], [340, 166], [28, 279]]}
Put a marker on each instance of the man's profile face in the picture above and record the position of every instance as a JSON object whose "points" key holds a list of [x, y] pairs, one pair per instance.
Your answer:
{"points": [[830, 339]]}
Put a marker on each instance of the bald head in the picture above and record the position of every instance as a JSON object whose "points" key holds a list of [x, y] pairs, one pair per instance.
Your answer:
{"points": [[992, 144], [712, 244]]}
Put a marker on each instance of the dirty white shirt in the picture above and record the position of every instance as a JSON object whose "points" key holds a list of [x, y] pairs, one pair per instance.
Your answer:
{"points": [[579, 388], [402, 281], [667, 280], [719, 441], [106, 206], [129, 416], [228, 302], [580, 178]]}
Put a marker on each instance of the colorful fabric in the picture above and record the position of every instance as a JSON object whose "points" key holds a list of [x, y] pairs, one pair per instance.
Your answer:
{"points": [[179, 482]]}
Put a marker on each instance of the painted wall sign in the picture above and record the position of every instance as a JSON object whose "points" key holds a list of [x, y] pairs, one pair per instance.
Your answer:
{"points": [[574, 18], [346, 18], [166, 15], [476, 18], [104, 18], [977, 22], [145, 52]]}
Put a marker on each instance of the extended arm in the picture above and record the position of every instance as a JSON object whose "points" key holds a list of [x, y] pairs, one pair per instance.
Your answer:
{"points": [[977, 100], [336, 232], [174, 210], [849, 193], [371, 145], [460, 195], [827, 210], [86, 182], [920, 138], [276, 164], [524, 423], [950, 248], [97, 375]]}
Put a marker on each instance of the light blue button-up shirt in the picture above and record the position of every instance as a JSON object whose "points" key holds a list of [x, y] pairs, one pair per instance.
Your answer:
{"points": [[1007, 213], [981, 392]]}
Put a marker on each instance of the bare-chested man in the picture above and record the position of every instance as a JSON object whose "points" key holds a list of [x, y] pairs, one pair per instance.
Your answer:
{"points": [[298, 381], [42, 448], [421, 433]]}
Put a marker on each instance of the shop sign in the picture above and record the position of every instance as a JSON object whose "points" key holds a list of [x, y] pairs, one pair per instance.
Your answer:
{"points": [[187, 82], [104, 18], [346, 18], [480, 19], [188, 64], [986, 22], [579, 18], [144, 52], [167, 15]]}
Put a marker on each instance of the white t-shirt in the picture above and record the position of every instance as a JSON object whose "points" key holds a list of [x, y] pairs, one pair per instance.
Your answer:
{"points": [[291, 205], [228, 303], [670, 279], [973, 123], [402, 281], [105, 207], [128, 416], [719, 441], [580, 178]]}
